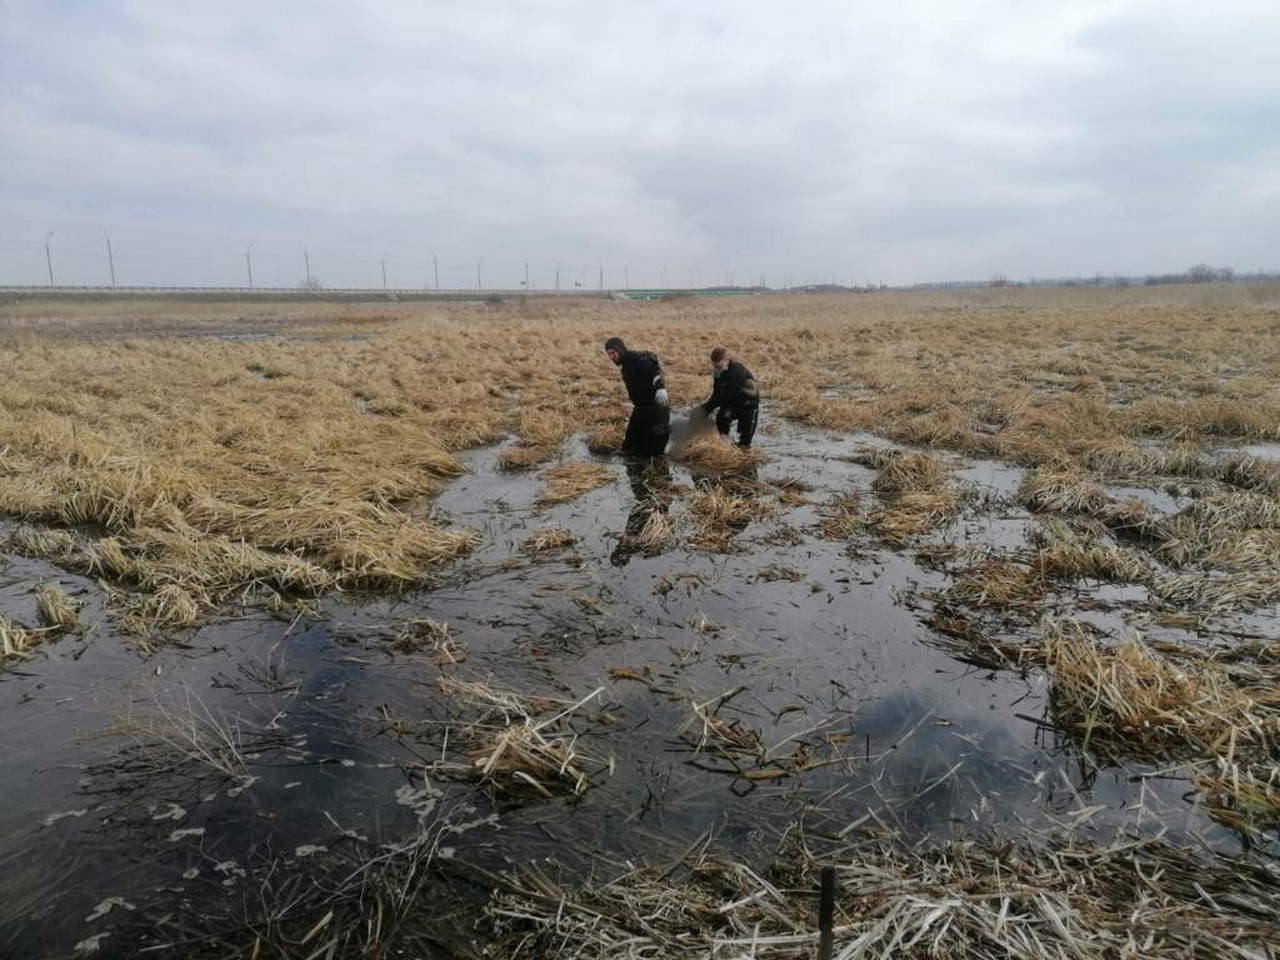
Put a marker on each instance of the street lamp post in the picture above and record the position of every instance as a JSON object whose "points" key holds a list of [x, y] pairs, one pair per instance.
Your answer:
{"points": [[111, 260], [48, 257]]}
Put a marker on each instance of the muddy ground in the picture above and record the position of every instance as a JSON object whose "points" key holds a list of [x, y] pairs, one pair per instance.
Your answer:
{"points": [[243, 780]]}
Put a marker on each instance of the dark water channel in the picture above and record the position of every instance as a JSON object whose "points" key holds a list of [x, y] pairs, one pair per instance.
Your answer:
{"points": [[349, 743]]}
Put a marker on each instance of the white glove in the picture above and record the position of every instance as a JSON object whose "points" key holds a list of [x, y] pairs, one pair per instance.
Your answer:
{"points": [[661, 399]]}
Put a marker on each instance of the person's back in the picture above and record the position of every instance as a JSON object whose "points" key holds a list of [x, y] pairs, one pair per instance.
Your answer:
{"points": [[642, 374], [740, 385]]}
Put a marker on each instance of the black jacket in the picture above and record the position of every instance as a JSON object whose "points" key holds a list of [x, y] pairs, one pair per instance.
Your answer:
{"points": [[734, 386], [642, 373]]}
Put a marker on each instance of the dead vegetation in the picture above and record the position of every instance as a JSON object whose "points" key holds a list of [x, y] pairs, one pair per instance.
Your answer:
{"points": [[1036, 897], [914, 492], [718, 454], [571, 479], [189, 476], [549, 539], [514, 748], [206, 471], [56, 610], [1128, 701]]}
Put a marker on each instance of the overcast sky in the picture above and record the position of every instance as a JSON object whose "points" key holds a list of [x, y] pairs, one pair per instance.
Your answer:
{"points": [[900, 142]]}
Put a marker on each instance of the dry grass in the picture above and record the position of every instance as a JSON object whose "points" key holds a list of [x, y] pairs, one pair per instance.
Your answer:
{"points": [[16, 642], [512, 751], [720, 506], [1061, 491], [549, 539], [658, 531], [56, 610], [1067, 554], [571, 479], [997, 583], [721, 511], [326, 450], [903, 471], [606, 438], [1128, 701], [1241, 797], [1208, 595], [1232, 529], [842, 517], [717, 454], [914, 494], [525, 457], [1036, 897]]}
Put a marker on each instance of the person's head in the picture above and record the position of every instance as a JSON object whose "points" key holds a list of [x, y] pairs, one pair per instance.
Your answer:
{"points": [[614, 348], [720, 358]]}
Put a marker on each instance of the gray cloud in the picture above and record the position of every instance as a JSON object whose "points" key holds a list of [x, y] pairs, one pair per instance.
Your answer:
{"points": [[918, 142]]}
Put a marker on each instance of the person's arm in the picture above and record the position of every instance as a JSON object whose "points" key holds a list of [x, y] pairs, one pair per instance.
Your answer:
{"points": [[659, 385], [715, 400]]}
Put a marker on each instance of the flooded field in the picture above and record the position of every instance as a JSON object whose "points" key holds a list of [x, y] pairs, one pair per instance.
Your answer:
{"points": [[712, 695], [654, 679]]}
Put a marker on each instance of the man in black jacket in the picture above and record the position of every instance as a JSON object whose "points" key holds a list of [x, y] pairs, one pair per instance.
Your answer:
{"points": [[650, 425], [734, 396]]}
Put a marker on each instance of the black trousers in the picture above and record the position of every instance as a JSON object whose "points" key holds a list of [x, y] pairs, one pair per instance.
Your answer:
{"points": [[648, 431], [745, 414]]}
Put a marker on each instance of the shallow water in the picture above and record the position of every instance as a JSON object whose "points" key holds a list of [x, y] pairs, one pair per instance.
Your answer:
{"points": [[809, 641]]}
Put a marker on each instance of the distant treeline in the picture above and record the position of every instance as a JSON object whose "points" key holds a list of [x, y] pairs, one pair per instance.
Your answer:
{"points": [[1200, 273]]}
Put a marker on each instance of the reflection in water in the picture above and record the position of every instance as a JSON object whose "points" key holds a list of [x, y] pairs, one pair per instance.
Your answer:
{"points": [[648, 525]]}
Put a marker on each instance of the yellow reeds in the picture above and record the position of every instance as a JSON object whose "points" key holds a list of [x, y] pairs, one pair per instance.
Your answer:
{"points": [[548, 539], [717, 454], [606, 438], [913, 491], [970, 899], [1062, 491], [1243, 797], [656, 533], [907, 515], [1068, 555], [842, 516], [519, 752], [1121, 458], [58, 546], [719, 506], [16, 643], [997, 583], [543, 428], [1207, 595], [903, 471], [56, 610], [1127, 701], [571, 479], [525, 457], [330, 448]]}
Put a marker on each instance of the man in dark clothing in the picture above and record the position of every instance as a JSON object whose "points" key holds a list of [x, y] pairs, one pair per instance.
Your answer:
{"points": [[734, 396], [650, 425]]}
